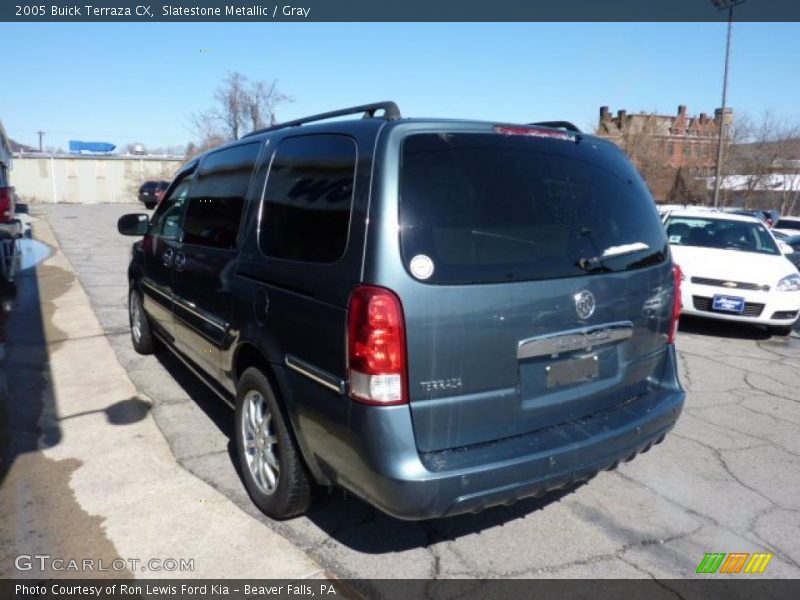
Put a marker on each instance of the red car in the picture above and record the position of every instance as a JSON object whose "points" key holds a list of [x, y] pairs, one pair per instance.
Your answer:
{"points": [[7, 205]]}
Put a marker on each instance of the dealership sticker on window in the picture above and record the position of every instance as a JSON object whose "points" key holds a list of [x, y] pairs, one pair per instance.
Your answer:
{"points": [[421, 266]]}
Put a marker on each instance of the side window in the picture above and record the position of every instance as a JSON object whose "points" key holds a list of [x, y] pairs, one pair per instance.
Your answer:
{"points": [[166, 220], [305, 215], [217, 197]]}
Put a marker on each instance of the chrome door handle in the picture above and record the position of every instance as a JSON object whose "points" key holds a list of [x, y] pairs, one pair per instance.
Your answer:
{"points": [[179, 261], [166, 258]]}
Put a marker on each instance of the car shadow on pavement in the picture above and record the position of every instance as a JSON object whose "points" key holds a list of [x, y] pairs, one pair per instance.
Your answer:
{"points": [[360, 527], [206, 400], [340, 515], [722, 329]]}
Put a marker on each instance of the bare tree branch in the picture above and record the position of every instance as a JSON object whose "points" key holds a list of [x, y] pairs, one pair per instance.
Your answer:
{"points": [[240, 106]]}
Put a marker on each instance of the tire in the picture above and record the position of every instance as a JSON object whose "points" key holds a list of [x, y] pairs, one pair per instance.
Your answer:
{"points": [[141, 334], [274, 473], [149, 205], [781, 330]]}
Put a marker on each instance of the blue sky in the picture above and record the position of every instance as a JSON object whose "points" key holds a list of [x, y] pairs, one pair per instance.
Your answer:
{"points": [[139, 82]]}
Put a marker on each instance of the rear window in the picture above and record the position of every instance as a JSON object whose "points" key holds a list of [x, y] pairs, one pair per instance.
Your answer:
{"points": [[788, 224], [481, 208]]}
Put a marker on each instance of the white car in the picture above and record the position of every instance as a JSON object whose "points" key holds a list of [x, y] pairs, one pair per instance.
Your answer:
{"points": [[733, 270], [788, 225]]}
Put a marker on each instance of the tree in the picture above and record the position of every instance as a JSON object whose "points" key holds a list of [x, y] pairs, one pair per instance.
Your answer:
{"points": [[263, 100], [241, 106], [766, 163]]}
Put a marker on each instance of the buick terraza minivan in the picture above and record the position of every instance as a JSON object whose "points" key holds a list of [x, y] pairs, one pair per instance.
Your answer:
{"points": [[439, 316]]}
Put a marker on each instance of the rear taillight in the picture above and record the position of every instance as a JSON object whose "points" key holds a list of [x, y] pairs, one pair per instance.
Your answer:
{"points": [[376, 347], [677, 275]]}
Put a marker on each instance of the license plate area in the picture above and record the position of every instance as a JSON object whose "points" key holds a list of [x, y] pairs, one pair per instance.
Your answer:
{"points": [[572, 371], [733, 304]]}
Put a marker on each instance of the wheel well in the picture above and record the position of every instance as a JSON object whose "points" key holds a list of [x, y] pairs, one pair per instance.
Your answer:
{"points": [[249, 356]]}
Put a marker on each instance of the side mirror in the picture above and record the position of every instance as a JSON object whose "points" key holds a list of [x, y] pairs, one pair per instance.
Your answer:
{"points": [[784, 247], [133, 224]]}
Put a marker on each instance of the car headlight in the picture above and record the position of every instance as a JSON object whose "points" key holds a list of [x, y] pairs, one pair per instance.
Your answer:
{"points": [[790, 283]]}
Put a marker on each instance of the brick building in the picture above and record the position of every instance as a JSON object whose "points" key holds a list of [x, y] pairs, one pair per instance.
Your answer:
{"points": [[680, 140], [669, 150]]}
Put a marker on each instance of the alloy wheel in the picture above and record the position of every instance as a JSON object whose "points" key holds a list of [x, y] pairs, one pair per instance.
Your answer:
{"points": [[260, 442]]}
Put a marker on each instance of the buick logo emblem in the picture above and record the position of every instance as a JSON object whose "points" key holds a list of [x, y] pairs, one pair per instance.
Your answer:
{"points": [[584, 304]]}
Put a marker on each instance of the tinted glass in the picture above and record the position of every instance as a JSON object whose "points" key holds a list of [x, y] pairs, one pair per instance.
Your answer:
{"points": [[788, 224], [166, 219], [306, 210], [492, 208], [720, 234], [217, 197]]}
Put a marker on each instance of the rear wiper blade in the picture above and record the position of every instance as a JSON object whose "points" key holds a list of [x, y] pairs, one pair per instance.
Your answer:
{"points": [[510, 238], [588, 264]]}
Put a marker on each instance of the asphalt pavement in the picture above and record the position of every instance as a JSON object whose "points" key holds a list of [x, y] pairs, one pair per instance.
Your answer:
{"points": [[727, 479]]}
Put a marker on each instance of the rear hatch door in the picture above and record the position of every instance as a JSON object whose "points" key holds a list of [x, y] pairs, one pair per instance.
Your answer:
{"points": [[539, 282]]}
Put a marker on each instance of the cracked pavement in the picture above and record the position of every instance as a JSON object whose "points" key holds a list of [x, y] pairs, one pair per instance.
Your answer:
{"points": [[727, 479]]}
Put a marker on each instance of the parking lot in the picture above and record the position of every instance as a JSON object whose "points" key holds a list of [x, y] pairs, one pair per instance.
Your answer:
{"points": [[725, 480]]}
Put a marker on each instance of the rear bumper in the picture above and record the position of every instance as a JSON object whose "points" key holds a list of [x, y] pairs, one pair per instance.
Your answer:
{"points": [[380, 463]]}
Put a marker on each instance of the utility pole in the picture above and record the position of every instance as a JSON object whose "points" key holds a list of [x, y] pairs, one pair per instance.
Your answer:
{"points": [[41, 135], [722, 5]]}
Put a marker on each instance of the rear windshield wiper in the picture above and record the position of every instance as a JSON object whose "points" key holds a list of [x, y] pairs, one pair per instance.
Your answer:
{"points": [[588, 264], [510, 238]]}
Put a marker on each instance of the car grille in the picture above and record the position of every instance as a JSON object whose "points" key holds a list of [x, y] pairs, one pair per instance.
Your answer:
{"points": [[784, 314], [737, 285], [751, 309]]}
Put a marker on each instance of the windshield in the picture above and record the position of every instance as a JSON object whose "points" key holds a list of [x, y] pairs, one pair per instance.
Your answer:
{"points": [[479, 208], [724, 234]]}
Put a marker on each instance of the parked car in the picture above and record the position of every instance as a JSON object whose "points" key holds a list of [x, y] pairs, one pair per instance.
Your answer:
{"points": [[439, 316], [780, 238], [767, 216], [151, 192], [7, 198], [788, 225], [733, 270], [10, 229], [793, 241], [664, 210], [7, 204]]}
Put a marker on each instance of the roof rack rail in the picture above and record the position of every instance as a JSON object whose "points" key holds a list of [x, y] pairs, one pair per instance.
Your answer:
{"points": [[389, 108], [558, 125]]}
